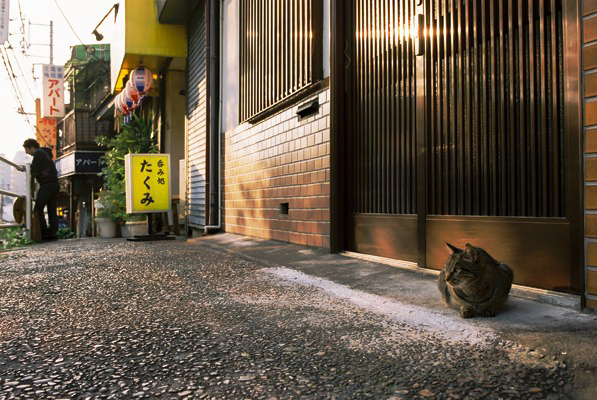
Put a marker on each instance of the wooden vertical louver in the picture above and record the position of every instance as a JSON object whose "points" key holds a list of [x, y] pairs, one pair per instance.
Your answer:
{"points": [[383, 151], [280, 51], [495, 95], [465, 130]]}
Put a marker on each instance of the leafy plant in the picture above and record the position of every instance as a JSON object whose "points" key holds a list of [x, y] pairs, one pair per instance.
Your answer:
{"points": [[135, 137], [65, 233], [13, 237]]}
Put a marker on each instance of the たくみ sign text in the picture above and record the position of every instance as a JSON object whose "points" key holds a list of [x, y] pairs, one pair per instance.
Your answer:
{"points": [[147, 183]]}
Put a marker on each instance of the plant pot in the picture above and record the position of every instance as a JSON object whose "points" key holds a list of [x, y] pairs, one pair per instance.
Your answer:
{"points": [[134, 228], [106, 228]]}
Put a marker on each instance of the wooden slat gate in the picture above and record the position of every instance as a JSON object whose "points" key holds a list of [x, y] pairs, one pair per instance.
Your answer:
{"points": [[465, 135]]}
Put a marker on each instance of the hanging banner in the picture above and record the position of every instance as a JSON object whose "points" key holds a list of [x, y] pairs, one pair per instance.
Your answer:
{"points": [[4, 18], [45, 129], [147, 179], [53, 91]]}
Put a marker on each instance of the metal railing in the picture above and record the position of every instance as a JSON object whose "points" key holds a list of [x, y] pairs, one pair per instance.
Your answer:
{"points": [[27, 169]]}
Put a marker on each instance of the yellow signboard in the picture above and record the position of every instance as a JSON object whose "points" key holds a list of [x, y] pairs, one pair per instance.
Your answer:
{"points": [[147, 183]]}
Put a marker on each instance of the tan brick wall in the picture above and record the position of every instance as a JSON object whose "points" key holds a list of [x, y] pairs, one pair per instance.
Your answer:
{"points": [[589, 54], [280, 160]]}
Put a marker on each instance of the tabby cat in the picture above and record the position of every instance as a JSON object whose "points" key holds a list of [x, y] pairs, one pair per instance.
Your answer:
{"points": [[474, 281]]}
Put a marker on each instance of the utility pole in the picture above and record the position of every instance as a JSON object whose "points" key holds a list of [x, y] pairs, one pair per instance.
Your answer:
{"points": [[51, 42]]}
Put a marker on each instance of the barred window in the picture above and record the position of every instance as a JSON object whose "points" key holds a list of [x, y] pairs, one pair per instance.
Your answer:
{"points": [[280, 52]]}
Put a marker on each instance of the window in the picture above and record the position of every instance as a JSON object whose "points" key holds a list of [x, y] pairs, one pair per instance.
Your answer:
{"points": [[280, 52]]}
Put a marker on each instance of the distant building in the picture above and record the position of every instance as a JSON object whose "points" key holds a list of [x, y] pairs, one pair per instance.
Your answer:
{"points": [[4, 175], [89, 114], [18, 181]]}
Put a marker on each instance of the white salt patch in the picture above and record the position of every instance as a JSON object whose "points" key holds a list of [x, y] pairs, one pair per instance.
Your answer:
{"points": [[449, 327]]}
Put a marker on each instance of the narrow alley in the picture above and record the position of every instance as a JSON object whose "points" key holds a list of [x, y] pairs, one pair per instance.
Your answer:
{"points": [[185, 319]]}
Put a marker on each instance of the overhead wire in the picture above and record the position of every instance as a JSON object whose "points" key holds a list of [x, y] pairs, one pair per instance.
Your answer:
{"points": [[12, 77], [68, 22], [14, 85], [21, 71]]}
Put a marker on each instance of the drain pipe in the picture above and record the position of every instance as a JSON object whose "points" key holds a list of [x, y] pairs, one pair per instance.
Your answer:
{"points": [[214, 223]]}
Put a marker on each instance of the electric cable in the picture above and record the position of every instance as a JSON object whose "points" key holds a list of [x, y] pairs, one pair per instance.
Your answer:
{"points": [[15, 89], [21, 71], [68, 22]]}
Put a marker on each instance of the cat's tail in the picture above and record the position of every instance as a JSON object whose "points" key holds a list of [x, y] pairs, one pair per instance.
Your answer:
{"points": [[443, 287]]}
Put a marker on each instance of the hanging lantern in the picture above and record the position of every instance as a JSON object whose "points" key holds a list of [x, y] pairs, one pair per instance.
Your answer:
{"points": [[125, 109], [117, 104], [141, 80], [131, 91], [128, 101]]}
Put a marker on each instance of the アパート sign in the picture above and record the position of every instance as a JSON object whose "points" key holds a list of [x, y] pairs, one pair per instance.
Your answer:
{"points": [[53, 91]]}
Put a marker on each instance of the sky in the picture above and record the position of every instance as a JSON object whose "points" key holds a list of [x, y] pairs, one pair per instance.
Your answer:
{"points": [[83, 16]]}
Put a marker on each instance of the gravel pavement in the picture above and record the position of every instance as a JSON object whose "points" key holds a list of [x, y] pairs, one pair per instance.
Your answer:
{"points": [[111, 319]]}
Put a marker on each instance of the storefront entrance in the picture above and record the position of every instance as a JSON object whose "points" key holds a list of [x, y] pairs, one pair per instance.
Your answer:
{"points": [[463, 126]]}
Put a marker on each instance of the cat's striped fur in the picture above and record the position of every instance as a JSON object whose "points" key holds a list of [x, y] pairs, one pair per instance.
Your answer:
{"points": [[474, 282]]}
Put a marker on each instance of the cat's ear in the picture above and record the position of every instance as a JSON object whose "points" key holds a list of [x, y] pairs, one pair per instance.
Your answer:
{"points": [[454, 249], [472, 252]]}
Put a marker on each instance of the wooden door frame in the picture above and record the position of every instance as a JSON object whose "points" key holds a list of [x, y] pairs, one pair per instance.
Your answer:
{"points": [[338, 209], [340, 35]]}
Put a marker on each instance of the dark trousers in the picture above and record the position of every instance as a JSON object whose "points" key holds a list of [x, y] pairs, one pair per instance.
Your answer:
{"points": [[46, 196]]}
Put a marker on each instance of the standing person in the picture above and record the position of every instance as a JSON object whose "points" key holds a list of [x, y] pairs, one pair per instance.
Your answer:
{"points": [[44, 170]]}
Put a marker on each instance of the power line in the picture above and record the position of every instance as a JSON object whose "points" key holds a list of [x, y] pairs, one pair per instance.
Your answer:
{"points": [[67, 21], [21, 71], [24, 44], [14, 85]]}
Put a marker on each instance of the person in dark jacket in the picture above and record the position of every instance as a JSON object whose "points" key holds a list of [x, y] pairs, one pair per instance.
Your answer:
{"points": [[44, 171]]}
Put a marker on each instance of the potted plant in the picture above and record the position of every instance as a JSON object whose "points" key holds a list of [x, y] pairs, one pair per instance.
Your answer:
{"points": [[135, 137], [109, 214]]}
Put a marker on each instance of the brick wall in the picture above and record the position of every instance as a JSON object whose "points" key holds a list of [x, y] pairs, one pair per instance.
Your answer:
{"points": [[280, 160], [589, 57]]}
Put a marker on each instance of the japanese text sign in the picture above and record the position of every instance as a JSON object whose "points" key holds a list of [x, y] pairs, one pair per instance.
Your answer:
{"points": [[53, 91], [147, 183], [45, 129], [4, 20]]}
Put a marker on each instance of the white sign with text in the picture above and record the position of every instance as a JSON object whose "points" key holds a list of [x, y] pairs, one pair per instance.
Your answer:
{"points": [[4, 19], [52, 101]]}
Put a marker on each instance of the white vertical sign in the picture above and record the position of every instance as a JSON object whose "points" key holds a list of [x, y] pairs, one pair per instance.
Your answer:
{"points": [[52, 101], [4, 18]]}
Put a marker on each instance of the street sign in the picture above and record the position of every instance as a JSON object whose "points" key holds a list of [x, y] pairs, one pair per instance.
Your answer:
{"points": [[147, 183], [53, 91], [45, 129], [4, 20], [80, 162]]}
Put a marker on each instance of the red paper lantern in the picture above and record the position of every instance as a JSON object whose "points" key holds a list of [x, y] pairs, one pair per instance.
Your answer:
{"points": [[131, 92], [141, 80], [123, 106], [128, 101]]}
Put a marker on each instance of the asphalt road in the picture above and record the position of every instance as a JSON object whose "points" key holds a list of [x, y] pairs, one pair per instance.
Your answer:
{"points": [[111, 319]]}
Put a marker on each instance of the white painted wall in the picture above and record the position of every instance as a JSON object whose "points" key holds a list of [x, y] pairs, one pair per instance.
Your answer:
{"points": [[230, 64], [175, 119]]}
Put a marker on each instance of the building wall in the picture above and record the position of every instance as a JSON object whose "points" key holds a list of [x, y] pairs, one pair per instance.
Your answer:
{"points": [[276, 161], [4, 175], [196, 120], [18, 179], [589, 57], [280, 160], [174, 117]]}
